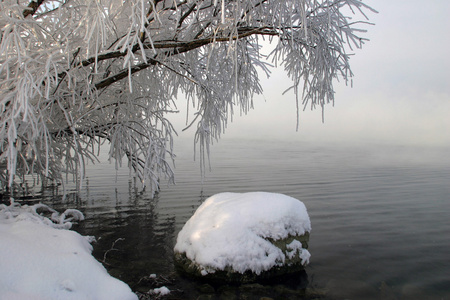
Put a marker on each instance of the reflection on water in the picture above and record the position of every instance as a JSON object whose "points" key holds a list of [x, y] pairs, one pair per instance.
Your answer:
{"points": [[379, 216]]}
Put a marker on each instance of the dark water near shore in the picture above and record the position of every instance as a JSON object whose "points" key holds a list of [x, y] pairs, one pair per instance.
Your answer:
{"points": [[380, 214]]}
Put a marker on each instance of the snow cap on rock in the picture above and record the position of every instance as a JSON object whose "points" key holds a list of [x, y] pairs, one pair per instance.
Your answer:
{"points": [[231, 230]]}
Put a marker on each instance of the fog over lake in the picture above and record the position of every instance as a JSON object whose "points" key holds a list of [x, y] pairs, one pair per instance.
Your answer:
{"points": [[378, 213], [374, 175]]}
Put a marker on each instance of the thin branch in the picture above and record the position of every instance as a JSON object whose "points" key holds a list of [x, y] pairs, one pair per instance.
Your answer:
{"points": [[180, 47], [32, 8]]}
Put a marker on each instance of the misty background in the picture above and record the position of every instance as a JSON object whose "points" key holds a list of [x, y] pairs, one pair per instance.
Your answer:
{"points": [[400, 93]]}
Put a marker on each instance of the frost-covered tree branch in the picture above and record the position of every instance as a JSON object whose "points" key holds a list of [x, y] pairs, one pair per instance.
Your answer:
{"points": [[78, 74]]}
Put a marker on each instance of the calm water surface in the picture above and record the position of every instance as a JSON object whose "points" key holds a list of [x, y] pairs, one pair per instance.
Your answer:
{"points": [[380, 214]]}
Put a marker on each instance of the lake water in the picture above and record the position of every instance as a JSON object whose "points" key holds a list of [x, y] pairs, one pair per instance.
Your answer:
{"points": [[380, 214]]}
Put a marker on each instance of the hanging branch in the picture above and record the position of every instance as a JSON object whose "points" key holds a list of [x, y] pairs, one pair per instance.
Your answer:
{"points": [[75, 75]]}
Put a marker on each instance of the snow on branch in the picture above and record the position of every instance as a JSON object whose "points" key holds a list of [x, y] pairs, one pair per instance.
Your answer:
{"points": [[39, 214], [78, 74]]}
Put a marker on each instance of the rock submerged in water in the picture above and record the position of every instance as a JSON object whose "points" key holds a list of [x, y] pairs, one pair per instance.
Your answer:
{"points": [[244, 238], [292, 264]]}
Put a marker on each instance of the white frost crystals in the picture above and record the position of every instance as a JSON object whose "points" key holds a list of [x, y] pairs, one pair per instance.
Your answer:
{"points": [[234, 230], [40, 259], [80, 74]]}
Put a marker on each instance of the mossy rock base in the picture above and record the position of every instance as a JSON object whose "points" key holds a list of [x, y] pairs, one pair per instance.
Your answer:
{"points": [[293, 265]]}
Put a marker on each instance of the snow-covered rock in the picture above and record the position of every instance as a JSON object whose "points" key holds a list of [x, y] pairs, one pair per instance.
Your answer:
{"points": [[243, 237], [39, 259]]}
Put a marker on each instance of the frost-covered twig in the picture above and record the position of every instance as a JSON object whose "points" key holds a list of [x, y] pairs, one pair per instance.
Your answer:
{"points": [[111, 249], [40, 213]]}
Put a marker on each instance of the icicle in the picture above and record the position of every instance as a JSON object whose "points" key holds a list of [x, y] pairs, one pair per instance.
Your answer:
{"points": [[329, 20], [304, 20], [143, 17], [223, 11], [130, 83]]}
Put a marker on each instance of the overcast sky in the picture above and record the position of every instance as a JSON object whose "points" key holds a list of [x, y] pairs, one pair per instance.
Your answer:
{"points": [[400, 94]]}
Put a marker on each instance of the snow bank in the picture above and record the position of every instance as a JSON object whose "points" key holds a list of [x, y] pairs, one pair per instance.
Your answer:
{"points": [[231, 230], [41, 260]]}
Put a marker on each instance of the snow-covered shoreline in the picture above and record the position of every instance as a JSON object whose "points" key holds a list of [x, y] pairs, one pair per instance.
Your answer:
{"points": [[41, 259]]}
